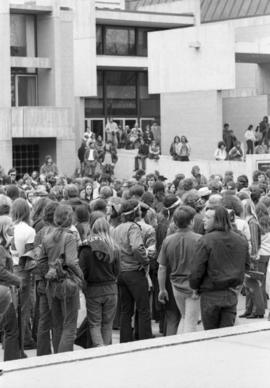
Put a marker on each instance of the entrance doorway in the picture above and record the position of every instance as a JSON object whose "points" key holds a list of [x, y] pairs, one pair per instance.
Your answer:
{"points": [[123, 122], [97, 126], [146, 121], [28, 154]]}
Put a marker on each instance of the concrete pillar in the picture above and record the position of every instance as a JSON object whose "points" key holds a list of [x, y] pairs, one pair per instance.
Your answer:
{"points": [[5, 94]]}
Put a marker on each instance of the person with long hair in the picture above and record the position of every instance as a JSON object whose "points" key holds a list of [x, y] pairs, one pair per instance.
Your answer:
{"points": [[254, 296], [60, 248], [132, 279], [37, 213], [185, 149], [43, 316], [24, 236], [218, 269], [8, 319], [99, 261], [175, 148]]}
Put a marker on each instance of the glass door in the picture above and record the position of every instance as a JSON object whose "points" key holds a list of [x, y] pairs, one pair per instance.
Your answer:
{"points": [[96, 125], [144, 121]]}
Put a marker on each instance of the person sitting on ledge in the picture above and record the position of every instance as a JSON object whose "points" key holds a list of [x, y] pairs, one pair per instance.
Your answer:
{"points": [[221, 153], [184, 152], [154, 151], [236, 152], [175, 148]]}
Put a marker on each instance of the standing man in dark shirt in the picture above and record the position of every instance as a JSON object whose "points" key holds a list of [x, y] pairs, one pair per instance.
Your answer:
{"points": [[143, 151], [220, 261], [228, 137]]}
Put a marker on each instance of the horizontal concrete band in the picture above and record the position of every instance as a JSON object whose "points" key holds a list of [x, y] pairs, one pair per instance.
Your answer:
{"points": [[139, 346]]}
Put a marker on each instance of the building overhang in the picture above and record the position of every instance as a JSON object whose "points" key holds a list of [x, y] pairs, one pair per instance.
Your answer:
{"points": [[252, 52], [30, 8], [121, 62], [143, 19], [30, 62]]}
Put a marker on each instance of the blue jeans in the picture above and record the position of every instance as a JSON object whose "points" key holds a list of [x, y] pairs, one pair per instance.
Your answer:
{"points": [[133, 288], [64, 322], [218, 309], [100, 314]]}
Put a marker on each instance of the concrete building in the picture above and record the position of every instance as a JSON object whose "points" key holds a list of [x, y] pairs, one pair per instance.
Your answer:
{"points": [[68, 65], [36, 78]]}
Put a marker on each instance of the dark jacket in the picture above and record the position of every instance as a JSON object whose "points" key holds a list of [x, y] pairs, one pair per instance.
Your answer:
{"points": [[143, 150], [97, 270], [220, 261], [66, 246], [7, 277]]}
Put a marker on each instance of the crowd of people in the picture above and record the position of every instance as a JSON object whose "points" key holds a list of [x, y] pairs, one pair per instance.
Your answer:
{"points": [[139, 250], [257, 142]]}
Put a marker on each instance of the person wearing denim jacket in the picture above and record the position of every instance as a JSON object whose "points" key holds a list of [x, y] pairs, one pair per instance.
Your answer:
{"points": [[132, 280]]}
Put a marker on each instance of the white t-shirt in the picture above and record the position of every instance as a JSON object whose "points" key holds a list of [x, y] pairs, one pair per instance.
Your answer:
{"points": [[23, 234]]}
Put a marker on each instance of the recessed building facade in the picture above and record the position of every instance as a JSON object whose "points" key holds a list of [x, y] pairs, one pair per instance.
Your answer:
{"points": [[71, 65]]}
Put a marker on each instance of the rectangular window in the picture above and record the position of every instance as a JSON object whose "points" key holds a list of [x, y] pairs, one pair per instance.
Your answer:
{"points": [[22, 35], [99, 38], [149, 103], [25, 158], [26, 90], [142, 42], [121, 93], [119, 41]]}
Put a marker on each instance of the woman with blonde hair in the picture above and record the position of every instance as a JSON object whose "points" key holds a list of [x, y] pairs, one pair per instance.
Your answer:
{"points": [[99, 261]]}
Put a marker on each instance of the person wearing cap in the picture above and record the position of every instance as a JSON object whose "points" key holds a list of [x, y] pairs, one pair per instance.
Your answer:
{"points": [[204, 194], [177, 252], [132, 280]]}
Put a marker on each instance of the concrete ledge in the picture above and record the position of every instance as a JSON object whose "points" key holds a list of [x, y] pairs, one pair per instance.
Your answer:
{"points": [[210, 359], [137, 346], [169, 168]]}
